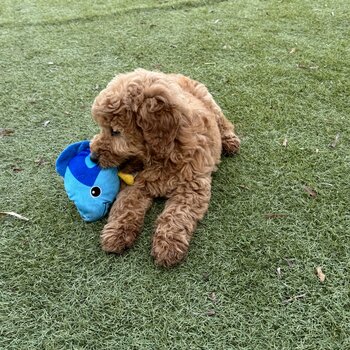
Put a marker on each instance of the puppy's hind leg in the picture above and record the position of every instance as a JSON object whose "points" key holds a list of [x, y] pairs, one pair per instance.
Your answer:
{"points": [[230, 141], [125, 219]]}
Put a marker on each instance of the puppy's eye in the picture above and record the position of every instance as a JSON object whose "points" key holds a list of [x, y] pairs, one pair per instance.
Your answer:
{"points": [[115, 132]]}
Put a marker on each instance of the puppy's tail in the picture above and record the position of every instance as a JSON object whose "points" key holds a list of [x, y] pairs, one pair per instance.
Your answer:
{"points": [[230, 141]]}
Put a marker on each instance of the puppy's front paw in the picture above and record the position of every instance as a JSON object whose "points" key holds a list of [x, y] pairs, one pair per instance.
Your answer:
{"points": [[115, 238], [169, 251]]}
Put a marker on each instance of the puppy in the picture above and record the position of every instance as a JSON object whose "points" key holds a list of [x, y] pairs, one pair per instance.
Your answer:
{"points": [[170, 128]]}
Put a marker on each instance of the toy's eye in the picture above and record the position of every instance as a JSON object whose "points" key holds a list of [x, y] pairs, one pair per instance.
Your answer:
{"points": [[95, 191], [115, 132]]}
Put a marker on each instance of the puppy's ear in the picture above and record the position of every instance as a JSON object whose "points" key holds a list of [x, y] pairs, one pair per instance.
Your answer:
{"points": [[158, 113]]}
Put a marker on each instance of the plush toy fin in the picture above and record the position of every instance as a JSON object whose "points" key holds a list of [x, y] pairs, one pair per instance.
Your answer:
{"points": [[127, 178], [70, 152]]}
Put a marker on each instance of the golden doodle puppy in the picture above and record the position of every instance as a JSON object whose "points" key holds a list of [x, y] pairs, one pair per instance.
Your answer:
{"points": [[168, 128]]}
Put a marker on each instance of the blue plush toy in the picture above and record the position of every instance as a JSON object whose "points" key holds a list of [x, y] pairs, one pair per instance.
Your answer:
{"points": [[91, 188]]}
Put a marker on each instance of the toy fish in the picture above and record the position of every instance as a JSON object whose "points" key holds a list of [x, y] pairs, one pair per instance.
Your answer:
{"points": [[92, 188]]}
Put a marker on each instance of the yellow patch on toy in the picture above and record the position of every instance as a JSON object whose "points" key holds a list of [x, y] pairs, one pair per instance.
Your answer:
{"points": [[127, 178]]}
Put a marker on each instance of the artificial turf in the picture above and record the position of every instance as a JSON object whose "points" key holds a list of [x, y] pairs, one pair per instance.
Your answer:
{"points": [[280, 71]]}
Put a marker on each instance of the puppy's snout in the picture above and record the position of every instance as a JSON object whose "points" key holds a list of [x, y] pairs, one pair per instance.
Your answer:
{"points": [[94, 157]]}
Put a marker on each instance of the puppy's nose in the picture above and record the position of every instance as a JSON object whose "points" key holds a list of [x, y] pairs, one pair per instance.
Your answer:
{"points": [[94, 157]]}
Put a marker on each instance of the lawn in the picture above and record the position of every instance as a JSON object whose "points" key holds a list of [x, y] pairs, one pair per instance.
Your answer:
{"points": [[280, 71]]}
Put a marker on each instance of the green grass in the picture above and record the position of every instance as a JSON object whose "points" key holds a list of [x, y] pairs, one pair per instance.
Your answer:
{"points": [[60, 291]]}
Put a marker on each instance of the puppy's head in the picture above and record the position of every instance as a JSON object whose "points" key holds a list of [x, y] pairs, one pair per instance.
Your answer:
{"points": [[139, 115]]}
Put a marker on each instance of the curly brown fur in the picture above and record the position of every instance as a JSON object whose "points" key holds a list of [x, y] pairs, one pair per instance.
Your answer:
{"points": [[170, 127]]}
